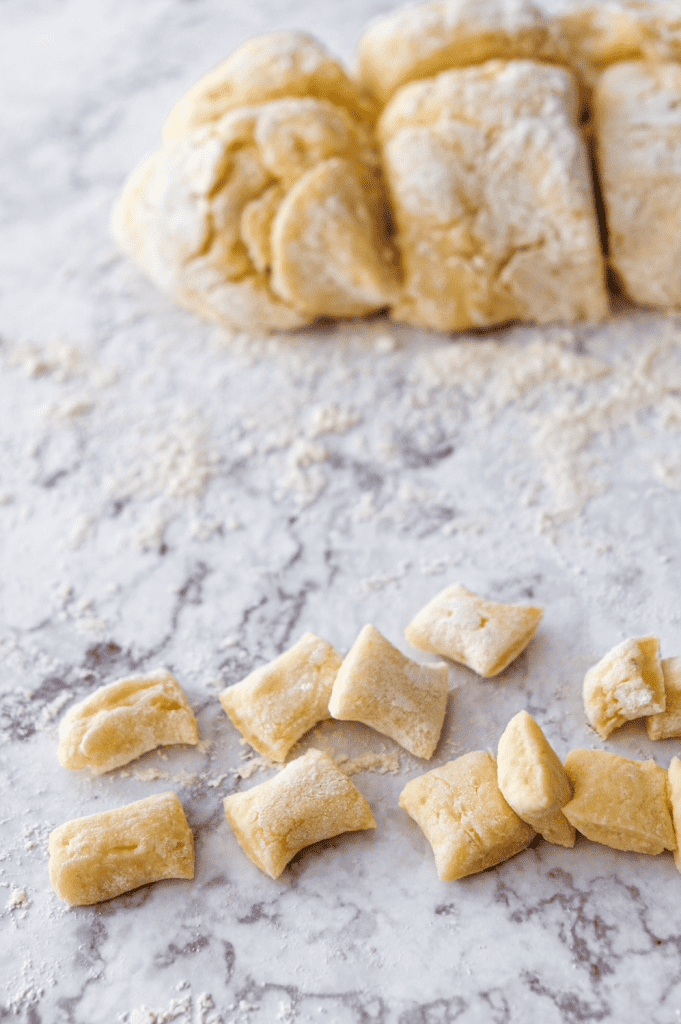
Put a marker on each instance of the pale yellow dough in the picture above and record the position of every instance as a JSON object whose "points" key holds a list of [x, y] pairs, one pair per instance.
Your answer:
{"points": [[279, 702], [619, 802], [625, 684], [637, 117], [533, 781], [492, 197], [420, 41], [484, 635], [464, 816], [674, 781], [267, 67], [666, 724], [598, 33], [264, 219], [103, 855], [308, 801], [123, 720], [379, 686]]}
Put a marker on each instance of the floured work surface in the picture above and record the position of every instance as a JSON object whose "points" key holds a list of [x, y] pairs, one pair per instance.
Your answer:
{"points": [[176, 496]]}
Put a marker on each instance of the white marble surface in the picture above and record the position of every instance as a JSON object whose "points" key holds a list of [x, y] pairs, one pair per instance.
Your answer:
{"points": [[169, 497]]}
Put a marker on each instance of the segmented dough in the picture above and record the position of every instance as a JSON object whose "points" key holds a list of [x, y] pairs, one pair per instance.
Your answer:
{"points": [[637, 115], [265, 219], [267, 67], [419, 42], [492, 198]]}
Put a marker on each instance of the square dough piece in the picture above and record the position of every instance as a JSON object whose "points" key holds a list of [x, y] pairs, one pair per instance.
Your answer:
{"points": [[619, 802], [533, 781], [279, 702], [308, 801], [484, 635], [379, 686], [493, 200], [123, 720], [464, 816], [626, 684], [666, 724], [637, 111], [674, 780], [103, 855]]}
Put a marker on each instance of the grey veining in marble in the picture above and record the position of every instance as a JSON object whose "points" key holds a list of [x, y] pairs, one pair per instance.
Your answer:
{"points": [[172, 496]]}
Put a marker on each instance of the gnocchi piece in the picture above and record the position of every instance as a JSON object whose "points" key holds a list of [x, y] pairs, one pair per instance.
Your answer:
{"points": [[641, 181], [464, 816], [279, 702], [666, 724], [265, 219], [379, 686], [625, 684], [267, 67], [103, 855], [619, 802], [419, 42], [674, 780], [123, 720], [533, 781], [484, 635], [493, 201], [308, 801]]}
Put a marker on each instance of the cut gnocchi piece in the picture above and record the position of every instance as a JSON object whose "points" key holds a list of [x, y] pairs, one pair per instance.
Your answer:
{"points": [[123, 720], [484, 635], [674, 780], [641, 181], [619, 802], [419, 42], [493, 199], [533, 780], [625, 684], [103, 855], [464, 816], [379, 686], [267, 67], [264, 219], [666, 724], [308, 801], [279, 702]]}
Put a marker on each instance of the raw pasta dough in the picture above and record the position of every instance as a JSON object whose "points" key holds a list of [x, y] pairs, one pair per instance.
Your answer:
{"points": [[533, 781], [309, 800], [379, 686], [106, 854], [279, 702], [464, 816], [123, 720], [484, 635]]}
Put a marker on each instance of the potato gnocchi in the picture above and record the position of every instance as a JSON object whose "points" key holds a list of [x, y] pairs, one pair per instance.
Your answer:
{"points": [[281, 701], [308, 801], [103, 855], [379, 686], [123, 720]]}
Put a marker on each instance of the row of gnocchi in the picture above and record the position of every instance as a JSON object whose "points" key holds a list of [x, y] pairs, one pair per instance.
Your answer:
{"points": [[450, 181], [100, 856]]}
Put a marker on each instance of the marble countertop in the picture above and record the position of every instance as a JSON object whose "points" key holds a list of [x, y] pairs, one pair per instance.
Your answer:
{"points": [[174, 496]]}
